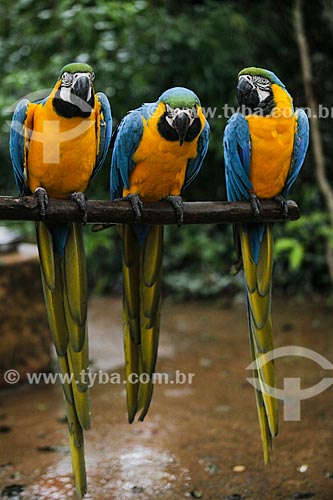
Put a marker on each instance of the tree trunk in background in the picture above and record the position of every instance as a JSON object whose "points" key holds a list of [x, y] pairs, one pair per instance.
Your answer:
{"points": [[316, 140]]}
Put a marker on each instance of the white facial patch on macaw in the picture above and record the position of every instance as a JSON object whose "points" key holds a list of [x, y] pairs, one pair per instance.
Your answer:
{"points": [[172, 113], [68, 81], [65, 94], [262, 94], [263, 86]]}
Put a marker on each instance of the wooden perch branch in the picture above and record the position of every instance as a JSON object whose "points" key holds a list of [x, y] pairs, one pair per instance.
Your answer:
{"points": [[200, 212]]}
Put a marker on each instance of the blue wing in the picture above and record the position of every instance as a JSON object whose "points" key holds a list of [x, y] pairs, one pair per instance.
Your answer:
{"points": [[194, 165], [237, 156], [301, 143], [105, 131], [128, 138], [16, 142]]}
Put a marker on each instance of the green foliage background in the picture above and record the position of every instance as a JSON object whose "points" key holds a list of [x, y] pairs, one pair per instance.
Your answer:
{"points": [[140, 48]]}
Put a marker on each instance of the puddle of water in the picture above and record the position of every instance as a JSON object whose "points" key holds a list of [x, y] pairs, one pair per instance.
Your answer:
{"points": [[142, 466], [141, 472]]}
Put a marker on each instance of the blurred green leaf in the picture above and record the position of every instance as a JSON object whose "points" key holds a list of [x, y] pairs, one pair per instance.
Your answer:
{"points": [[293, 248]]}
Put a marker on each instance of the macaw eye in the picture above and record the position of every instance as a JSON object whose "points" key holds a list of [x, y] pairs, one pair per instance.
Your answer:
{"points": [[263, 80], [67, 78], [92, 77]]}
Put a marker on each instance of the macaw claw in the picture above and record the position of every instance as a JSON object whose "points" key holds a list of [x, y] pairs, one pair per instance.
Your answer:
{"points": [[136, 203], [42, 200], [255, 204], [177, 203], [283, 204], [81, 201]]}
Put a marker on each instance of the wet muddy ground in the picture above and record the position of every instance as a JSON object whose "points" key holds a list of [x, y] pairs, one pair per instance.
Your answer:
{"points": [[200, 439]]}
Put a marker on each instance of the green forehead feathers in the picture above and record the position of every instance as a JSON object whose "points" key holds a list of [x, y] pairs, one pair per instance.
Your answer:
{"points": [[253, 71], [179, 97], [76, 68]]}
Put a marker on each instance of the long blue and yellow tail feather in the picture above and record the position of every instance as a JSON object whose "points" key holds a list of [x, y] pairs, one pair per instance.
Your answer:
{"points": [[258, 280], [142, 274], [65, 291]]}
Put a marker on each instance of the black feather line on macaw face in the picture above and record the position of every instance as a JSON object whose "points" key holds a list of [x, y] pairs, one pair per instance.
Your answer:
{"points": [[182, 125], [75, 96], [255, 95]]}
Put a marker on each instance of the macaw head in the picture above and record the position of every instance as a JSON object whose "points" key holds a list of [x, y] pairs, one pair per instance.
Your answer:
{"points": [[180, 120], [254, 90], [75, 93]]}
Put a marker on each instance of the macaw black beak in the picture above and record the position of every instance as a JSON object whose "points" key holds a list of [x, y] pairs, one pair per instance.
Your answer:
{"points": [[181, 124], [247, 94], [81, 87]]}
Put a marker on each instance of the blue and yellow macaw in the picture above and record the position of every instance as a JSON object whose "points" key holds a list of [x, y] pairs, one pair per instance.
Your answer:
{"points": [[159, 150], [57, 145], [264, 149]]}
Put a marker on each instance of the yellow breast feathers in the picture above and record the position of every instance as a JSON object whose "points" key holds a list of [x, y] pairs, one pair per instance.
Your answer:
{"points": [[272, 142], [60, 153], [160, 165]]}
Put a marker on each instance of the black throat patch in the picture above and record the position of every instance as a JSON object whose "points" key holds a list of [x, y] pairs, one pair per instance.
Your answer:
{"points": [[171, 134], [69, 110], [252, 105]]}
